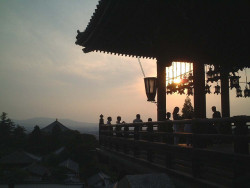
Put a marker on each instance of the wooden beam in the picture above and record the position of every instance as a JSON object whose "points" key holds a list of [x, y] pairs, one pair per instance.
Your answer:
{"points": [[199, 91], [225, 99], [161, 91]]}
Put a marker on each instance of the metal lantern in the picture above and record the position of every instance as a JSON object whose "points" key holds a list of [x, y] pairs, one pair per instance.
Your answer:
{"points": [[181, 89], [246, 92], [216, 76], [210, 75], [190, 77], [150, 87], [207, 89], [190, 91], [234, 81], [238, 92], [169, 89], [217, 89], [184, 80]]}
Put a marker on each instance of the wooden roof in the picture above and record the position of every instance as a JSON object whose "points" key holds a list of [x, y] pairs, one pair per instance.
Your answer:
{"points": [[211, 32]]}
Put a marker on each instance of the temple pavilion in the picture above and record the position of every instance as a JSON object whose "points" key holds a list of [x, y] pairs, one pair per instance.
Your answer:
{"points": [[202, 32]]}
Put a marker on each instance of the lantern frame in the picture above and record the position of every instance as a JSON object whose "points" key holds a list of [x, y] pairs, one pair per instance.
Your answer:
{"points": [[217, 89], [234, 81], [238, 92], [207, 89], [150, 87]]}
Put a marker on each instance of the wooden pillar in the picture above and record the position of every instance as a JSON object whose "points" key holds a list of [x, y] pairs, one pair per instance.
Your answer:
{"points": [[199, 91], [161, 91], [225, 100]]}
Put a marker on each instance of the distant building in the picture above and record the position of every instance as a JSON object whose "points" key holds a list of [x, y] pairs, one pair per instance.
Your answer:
{"points": [[19, 159], [73, 171], [37, 173], [55, 125], [145, 181], [99, 180]]}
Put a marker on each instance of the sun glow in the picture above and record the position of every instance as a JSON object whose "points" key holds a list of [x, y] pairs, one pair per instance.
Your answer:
{"points": [[177, 80], [178, 71]]}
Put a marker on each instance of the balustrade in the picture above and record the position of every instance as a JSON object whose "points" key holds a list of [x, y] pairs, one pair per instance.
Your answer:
{"points": [[210, 153]]}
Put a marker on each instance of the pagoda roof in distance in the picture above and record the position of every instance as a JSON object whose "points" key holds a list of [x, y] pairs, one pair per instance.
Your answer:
{"points": [[207, 32], [49, 128]]}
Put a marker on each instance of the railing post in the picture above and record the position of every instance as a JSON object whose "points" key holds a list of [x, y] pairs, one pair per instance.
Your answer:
{"points": [[101, 122], [136, 137], [240, 147], [126, 134], [241, 129], [150, 139], [196, 164]]}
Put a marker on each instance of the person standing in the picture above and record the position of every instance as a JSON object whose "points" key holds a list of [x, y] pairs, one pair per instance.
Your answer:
{"points": [[216, 114], [138, 119], [176, 116], [168, 115]]}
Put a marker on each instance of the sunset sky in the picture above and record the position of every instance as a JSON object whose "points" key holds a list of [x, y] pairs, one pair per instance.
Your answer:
{"points": [[44, 74]]}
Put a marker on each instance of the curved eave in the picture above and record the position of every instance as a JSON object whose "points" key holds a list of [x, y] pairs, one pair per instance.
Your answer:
{"points": [[205, 32]]}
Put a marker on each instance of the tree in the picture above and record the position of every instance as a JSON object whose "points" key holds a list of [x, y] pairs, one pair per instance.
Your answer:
{"points": [[187, 110]]}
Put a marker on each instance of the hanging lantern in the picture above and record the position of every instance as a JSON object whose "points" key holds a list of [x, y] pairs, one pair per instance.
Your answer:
{"points": [[216, 74], [150, 87], [207, 89], [234, 81], [181, 89], [190, 77], [184, 80], [246, 92], [238, 92], [210, 75], [169, 89], [190, 91], [217, 89]]}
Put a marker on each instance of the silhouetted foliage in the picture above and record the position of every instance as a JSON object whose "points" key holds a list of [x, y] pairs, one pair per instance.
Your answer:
{"points": [[187, 110]]}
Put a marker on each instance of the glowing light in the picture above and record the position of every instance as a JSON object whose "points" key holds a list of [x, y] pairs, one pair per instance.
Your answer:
{"points": [[177, 80]]}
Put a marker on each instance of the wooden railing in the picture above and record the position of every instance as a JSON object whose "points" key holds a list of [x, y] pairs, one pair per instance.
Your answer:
{"points": [[218, 150]]}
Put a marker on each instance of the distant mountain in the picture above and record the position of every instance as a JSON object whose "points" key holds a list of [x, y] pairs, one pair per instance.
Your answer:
{"points": [[83, 127]]}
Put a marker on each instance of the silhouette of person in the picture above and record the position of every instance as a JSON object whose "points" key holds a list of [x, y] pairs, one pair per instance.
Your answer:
{"points": [[138, 119], [176, 116], [168, 115], [216, 114], [109, 120], [118, 121]]}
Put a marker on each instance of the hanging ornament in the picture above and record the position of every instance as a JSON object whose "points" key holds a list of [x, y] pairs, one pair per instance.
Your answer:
{"points": [[190, 77], [216, 73], [190, 91], [210, 75], [234, 81], [246, 92], [184, 79], [207, 89], [169, 89], [181, 89], [217, 89], [238, 92]]}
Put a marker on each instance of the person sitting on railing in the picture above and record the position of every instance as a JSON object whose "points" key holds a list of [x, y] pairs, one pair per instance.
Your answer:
{"points": [[118, 126], [138, 119], [176, 116], [118, 121]]}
